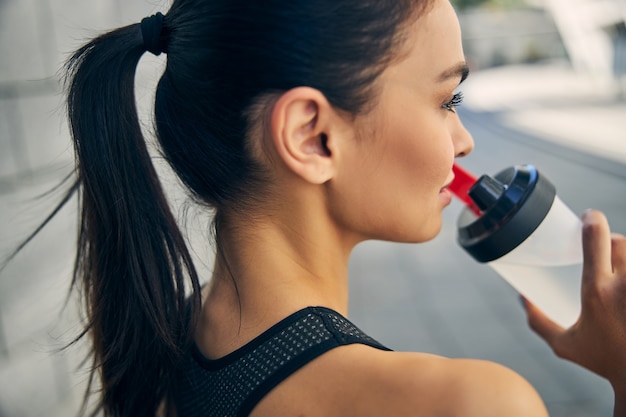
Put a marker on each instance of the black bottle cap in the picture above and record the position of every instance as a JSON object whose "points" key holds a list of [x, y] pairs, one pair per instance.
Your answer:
{"points": [[513, 203], [486, 192]]}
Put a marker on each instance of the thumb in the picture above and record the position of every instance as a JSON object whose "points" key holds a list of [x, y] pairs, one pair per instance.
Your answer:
{"points": [[542, 325]]}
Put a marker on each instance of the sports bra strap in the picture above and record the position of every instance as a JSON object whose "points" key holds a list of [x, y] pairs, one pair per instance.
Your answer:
{"points": [[234, 384]]}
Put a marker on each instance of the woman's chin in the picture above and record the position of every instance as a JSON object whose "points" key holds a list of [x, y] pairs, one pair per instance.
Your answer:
{"points": [[422, 234]]}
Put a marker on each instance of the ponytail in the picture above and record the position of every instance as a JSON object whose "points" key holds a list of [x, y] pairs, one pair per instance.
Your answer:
{"points": [[132, 263]]}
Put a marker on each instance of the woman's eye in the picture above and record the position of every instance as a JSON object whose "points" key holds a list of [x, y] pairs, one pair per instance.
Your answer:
{"points": [[455, 101]]}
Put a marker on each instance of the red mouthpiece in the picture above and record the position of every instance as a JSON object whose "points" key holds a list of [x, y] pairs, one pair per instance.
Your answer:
{"points": [[463, 181]]}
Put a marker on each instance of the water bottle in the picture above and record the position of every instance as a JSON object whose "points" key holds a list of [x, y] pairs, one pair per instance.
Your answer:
{"points": [[515, 223]]}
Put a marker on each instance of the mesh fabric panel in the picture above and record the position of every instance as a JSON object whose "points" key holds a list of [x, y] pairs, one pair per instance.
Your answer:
{"points": [[232, 386]]}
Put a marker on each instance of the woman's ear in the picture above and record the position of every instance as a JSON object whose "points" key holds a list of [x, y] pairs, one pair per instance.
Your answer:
{"points": [[303, 135]]}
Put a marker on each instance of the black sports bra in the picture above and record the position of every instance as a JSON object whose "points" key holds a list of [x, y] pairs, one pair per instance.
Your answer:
{"points": [[233, 385]]}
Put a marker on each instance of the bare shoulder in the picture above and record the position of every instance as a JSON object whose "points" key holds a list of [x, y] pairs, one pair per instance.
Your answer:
{"points": [[361, 381], [463, 387]]}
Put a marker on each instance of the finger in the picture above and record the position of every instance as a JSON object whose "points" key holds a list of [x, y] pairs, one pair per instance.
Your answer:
{"points": [[618, 252], [596, 245], [542, 325]]}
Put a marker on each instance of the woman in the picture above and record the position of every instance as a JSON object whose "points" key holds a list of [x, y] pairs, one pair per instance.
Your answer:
{"points": [[308, 127]]}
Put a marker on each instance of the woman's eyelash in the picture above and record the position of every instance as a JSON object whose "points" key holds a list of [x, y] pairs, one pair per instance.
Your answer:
{"points": [[455, 101]]}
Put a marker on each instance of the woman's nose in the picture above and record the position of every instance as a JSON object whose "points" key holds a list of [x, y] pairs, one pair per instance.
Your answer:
{"points": [[463, 141]]}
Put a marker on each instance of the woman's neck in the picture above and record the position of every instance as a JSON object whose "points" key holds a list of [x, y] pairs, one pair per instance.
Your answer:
{"points": [[268, 269]]}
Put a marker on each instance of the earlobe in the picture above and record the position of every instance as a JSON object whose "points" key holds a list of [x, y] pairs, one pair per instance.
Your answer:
{"points": [[301, 133]]}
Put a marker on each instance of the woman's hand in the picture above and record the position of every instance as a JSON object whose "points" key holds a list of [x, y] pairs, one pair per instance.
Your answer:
{"points": [[597, 341]]}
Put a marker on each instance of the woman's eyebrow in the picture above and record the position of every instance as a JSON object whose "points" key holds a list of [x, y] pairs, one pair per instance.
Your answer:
{"points": [[459, 70]]}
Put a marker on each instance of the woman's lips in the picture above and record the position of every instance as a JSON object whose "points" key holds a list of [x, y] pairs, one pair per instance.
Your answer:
{"points": [[445, 196]]}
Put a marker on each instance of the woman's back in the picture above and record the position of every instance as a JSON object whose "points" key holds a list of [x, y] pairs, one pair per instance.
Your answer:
{"points": [[317, 363]]}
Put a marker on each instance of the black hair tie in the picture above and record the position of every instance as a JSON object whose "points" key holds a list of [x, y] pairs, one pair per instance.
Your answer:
{"points": [[151, 31]]}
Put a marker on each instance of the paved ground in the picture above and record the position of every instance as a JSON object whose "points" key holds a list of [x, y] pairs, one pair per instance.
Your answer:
{"points": [[429, 297]]}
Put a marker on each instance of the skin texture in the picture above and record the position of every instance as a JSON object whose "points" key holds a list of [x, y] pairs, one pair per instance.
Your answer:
{"points": [[337, 180]]}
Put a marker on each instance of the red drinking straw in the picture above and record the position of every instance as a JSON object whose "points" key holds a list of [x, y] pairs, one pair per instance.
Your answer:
{"points": [[463, 181]]}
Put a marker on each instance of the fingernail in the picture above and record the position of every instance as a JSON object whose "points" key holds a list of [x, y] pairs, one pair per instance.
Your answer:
{"points": [[586, 213]]}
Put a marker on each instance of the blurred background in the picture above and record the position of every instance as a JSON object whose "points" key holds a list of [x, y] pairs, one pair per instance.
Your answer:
{"points": [[547, 87]]}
